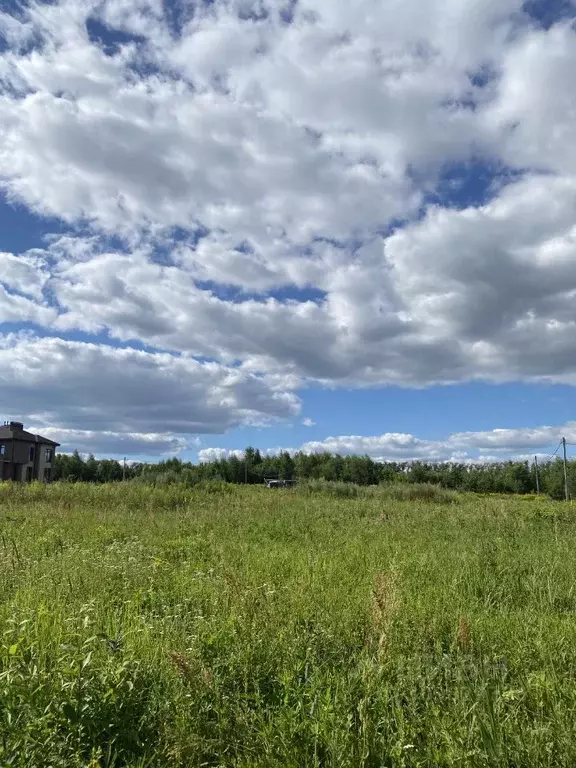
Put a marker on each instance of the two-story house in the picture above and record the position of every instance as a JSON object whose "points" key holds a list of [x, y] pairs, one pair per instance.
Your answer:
{"points": [[24, 456]]}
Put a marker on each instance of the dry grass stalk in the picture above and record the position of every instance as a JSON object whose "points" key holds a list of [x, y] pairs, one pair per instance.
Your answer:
{"points": [[384, 606], [463, 636], [191, 669]]}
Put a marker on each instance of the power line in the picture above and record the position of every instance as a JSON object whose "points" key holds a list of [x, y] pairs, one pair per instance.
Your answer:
{"points": [[557, 449]]}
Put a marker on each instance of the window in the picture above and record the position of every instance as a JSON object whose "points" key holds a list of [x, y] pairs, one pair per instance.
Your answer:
{"points": [[31, 453], [2, 450], [48, 455]]}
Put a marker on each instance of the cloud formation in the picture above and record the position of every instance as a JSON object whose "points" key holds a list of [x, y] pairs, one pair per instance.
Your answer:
{"points": [[125, 400], [293, 191], [494, 445], [216, 454]]}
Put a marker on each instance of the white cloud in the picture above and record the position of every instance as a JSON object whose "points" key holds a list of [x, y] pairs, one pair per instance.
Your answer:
{"points": [[389, 446], [495, 445], [108, 443], [275, 160], [535, 107], [15, 308], [495, 303], [502, 281], [26, 274], [88, 138], [215, 454], [22, 280], [109, 399], [308, 422]]}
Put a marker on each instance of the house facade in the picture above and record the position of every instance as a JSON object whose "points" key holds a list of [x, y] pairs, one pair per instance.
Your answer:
{"points": [[24, 456]]}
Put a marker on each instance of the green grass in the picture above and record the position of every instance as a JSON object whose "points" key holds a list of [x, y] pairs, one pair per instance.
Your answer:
{"points": [[222, 626]]}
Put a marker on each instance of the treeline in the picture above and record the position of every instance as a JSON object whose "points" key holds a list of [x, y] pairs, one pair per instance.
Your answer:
{"points": [[253, 467]]}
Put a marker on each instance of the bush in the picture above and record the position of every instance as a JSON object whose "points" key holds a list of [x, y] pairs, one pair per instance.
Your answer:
{"points": [[419, 492], [215, 486], [335, 489], [402, 491]]}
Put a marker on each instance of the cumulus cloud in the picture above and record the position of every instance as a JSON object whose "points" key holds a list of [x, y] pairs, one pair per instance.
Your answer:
{"points": [[22, 281], [112, 399], [215, 454], [128, 150], [390, 446], [534, 119], [495, 445], [264, 184], [25, 274], [495, 302], [108, 443]]}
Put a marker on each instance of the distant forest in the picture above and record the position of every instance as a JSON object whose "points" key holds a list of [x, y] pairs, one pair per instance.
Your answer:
{"points": [[505, 477]]}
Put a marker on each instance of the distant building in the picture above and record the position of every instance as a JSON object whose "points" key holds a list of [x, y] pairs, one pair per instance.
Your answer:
{"points": [[24, 456]]}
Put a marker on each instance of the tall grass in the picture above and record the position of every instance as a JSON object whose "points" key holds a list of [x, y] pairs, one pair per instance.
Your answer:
{"points": [[211, 626], [396, 491]]}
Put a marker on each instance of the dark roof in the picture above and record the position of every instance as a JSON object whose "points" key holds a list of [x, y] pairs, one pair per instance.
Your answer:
{"points": [[6, 433]]}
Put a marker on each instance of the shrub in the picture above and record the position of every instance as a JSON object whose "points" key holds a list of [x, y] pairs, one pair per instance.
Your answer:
{"points": [[215, 486], [335, 489], [419, 492]]}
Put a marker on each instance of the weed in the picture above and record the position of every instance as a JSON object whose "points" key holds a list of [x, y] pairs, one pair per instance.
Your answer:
{"points": [[230, 626], [419, 492]]}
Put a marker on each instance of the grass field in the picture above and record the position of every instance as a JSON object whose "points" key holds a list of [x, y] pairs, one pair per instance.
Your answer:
{"points": [[243, 627]]}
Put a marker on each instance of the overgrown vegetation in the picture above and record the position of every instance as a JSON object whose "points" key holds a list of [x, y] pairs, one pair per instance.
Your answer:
{"points": [[396, 491], [227, 626], [505, 477]]}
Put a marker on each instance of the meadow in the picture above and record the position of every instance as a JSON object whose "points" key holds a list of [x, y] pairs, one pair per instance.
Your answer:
{"points": [[326, 626]]}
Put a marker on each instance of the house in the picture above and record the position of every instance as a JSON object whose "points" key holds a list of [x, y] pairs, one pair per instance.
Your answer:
{"points": [[24, 456]]}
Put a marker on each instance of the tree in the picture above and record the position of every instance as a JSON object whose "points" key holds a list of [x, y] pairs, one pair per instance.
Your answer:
{"points": [[75, 467], [286, 466]]}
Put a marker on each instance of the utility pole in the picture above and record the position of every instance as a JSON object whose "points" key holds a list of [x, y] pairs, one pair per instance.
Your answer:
{"points": [[565, 470], [537, 477]]}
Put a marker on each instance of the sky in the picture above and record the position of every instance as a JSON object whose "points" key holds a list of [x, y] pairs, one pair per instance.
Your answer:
{"points": [[344, 225]]}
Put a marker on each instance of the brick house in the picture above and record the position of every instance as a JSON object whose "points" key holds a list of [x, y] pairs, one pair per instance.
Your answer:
{"points": [[24, 456]]}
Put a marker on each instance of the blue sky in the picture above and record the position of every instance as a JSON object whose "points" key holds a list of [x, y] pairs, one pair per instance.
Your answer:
{"points": [[431, 413], [289, 225]]}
